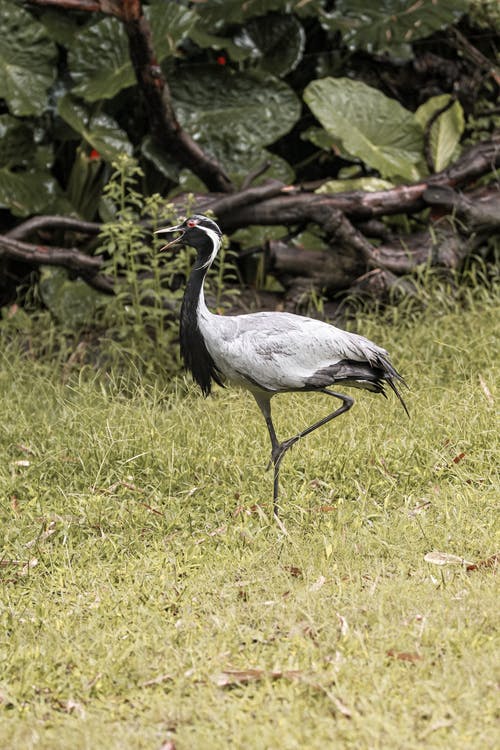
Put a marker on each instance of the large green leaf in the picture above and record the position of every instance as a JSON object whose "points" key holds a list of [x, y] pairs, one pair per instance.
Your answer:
{"points": [[233, 114], [278, 168], [17, 146], [206, 40], [99, 61], [60, 25], [275, 41], [319, 137], [26, 187], [367, 184], [368, 125], [100, 131], [446, 131], [221, 12], [27, 58], [390, 25], [73, 302], [99, 58], [163, 161], [170, 23], [30, 192]]}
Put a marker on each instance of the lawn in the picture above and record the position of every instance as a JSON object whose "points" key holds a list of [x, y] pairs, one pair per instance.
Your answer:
{"points": [[149, 600]]}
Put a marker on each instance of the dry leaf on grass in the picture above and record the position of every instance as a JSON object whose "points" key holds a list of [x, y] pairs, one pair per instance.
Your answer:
{"points": [[440, 724], [490, 562], [26, 567], [157, 680], [486, 391], [445, 558], [340, 706], [71, 706], [344, 626], [44, 535], [420, 508], [404, 655], [319, 583], [235, 677], [303, 629], [248, 510], [25, 449]]}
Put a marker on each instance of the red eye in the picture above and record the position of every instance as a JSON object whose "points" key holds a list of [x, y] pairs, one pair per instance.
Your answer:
{"points": [[192, 223]]}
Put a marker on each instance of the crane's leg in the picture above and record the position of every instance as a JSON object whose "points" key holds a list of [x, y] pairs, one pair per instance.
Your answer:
{"points": [[264, 402], [278, 449], [347, 402]]}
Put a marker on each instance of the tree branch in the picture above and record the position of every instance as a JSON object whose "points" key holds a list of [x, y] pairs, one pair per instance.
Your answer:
{"points": [[53, 222], [295, 207], [85, 265]]}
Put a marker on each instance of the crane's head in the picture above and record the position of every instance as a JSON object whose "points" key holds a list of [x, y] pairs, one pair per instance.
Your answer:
{"points": [[199, 232]]}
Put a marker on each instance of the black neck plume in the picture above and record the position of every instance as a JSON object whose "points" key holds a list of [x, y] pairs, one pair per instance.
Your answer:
{"points": [[193, 348]]}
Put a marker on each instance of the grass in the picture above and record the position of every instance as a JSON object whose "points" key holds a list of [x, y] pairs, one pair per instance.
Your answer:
{"points": [[148, 598]]}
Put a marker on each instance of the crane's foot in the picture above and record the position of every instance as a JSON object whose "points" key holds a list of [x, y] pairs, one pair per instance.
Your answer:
{"points": [[279, 451]]}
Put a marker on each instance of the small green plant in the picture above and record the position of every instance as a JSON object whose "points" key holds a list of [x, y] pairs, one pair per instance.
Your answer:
{"points": [[141, 319]]}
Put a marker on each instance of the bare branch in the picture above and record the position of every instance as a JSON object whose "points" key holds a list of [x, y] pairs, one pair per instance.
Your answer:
{"points": [[228, 203], [295, 207], [85, 265], [257, 172], [53, 222]]}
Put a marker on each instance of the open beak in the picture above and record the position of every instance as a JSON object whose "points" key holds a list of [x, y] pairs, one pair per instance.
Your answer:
{"points": [[168, 230]]}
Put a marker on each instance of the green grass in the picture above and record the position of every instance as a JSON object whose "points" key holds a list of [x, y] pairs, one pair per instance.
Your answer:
{"points": [[140, 564]]}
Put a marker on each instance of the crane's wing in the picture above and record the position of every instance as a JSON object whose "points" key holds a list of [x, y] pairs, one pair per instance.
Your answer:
{"points": [[284, 352]]}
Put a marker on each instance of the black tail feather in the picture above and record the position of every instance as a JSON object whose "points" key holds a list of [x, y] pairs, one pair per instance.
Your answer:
{"points": [[393, 386], [371, 376], [392, 377]]}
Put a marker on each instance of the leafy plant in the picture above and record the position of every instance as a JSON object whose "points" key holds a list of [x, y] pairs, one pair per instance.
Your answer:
{"points": [[235, 114], [446, 131], [365, 124], [141, 318], [141, 311], [275, 41], [27, 60], [68, 80], [390, 25], [26, 185]]}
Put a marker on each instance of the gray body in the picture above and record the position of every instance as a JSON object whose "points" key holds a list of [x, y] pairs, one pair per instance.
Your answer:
{"points": [[279, 352]]}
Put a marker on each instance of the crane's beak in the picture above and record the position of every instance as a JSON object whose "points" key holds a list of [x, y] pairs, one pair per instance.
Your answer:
{"points": [[167, 230]]}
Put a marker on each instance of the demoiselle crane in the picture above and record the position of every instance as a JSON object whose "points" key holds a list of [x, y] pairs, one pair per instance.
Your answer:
{"points": [[270, 352]]}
